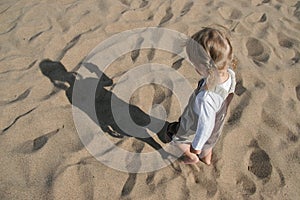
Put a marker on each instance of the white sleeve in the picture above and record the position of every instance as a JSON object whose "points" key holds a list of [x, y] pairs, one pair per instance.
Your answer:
{"points": [[206, 106]]}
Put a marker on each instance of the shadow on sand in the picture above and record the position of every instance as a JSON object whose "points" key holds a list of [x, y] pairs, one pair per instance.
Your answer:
{"points": [[62, 79]]}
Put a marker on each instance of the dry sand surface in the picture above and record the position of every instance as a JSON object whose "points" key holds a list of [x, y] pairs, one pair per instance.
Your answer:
{"points": [[41, 155]]}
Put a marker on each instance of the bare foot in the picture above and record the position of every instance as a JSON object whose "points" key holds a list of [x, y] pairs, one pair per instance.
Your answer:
{"points": [[207, 158], [207, 162]]}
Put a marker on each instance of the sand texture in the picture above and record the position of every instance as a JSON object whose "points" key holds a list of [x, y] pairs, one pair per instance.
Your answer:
{"points": [[43, 43]]}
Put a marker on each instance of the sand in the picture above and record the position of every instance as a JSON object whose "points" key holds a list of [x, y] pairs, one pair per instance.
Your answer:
{"points": [[41, 154]]}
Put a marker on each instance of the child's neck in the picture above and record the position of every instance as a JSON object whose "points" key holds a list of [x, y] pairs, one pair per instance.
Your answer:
{"points": [[224, 75]]}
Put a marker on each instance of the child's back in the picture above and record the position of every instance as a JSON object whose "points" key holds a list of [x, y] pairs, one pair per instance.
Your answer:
{"points": [[201, 123]]}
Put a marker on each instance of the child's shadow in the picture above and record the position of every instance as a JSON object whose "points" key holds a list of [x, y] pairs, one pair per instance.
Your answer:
{"points": [[65, 80]]}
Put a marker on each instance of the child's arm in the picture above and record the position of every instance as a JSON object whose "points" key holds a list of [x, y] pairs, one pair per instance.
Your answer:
{"points": [[206, 106], [206, 120]]}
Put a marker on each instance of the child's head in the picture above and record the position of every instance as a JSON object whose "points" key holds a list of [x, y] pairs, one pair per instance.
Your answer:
{"points": [[210, 51], [216, 45]]}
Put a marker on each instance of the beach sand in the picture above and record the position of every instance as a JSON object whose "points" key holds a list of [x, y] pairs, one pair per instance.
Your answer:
{"points": [[41, 154]]}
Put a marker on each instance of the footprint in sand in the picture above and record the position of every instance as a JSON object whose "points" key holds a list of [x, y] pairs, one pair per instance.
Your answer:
{"points": [[162, 97], [151, 54], [144, 4], [260, 163], [259, 52], [260, 2], [285, 41], [211, 186], [129, 185], [186, 8], [20, 97], [248, 186], [177, 64], [298, 92], [292, 137], [135, 53], [168, 16], [296, 58], [239, 88], [263, 18], [296, 133], [137, 147], [256, 17], [295, 156], [297, 10], [230, 13], [239, 109], [39, 142], [159, 95], [259, 84], [31, 146]]}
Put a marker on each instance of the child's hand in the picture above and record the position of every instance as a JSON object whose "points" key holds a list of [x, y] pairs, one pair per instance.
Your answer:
{"points": [[192, 150]]}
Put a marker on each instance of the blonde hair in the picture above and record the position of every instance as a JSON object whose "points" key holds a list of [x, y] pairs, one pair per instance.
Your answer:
{"points": [[210, 50]]}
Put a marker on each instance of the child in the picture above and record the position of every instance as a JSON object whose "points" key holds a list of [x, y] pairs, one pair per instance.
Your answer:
{"points": [[201, 123]]}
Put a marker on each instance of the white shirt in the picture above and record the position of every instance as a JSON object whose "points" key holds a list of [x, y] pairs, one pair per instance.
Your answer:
{"points": [[207, 104]]}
